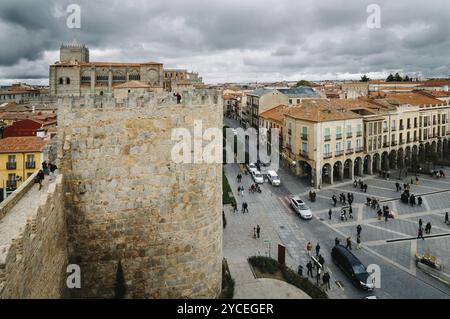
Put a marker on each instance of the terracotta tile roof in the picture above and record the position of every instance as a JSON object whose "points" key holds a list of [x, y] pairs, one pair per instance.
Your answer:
{"points": [[132, 85], [24, 144], [437, 94], [321, 110], [276, 113], [413, 98]]}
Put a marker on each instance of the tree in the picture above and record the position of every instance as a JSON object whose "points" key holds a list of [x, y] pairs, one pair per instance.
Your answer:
{"points": [[120, 288], [390, 78], [303, 83], [407, 79], [398, 77], [364, 78]]}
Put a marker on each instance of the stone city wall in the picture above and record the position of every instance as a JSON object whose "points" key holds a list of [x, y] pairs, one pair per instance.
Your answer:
{"points": [[33, 265], [130, 203]]}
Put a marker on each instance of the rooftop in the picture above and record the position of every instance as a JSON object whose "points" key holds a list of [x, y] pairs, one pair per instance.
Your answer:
{"points": [[132, 85], [321, 110], [276, 113], [301, 91], [23, 144]]}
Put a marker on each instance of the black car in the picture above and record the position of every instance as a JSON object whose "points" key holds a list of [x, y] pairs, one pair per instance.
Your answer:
{"points": [[352, 267]]}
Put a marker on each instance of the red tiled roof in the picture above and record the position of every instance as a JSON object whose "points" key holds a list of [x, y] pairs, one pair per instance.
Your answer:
{"points": [[25, 144]]}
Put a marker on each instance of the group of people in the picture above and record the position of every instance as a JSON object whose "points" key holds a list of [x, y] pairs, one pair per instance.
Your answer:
{"points": [[437, 174], [47, 169], [406, 198], [256, 231], [421, 230], [373, 203], [343, 199], [254, 188], [317, 263], [361, 184]]}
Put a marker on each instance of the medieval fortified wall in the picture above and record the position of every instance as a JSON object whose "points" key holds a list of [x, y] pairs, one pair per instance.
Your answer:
{"points": [[128, 201]]}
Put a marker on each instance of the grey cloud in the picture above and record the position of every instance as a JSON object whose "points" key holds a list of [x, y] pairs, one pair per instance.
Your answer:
{"points": [[233, 40]]}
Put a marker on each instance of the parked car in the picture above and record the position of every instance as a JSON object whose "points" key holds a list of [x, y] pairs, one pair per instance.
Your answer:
{"points": [[258, 177], [251, 167], [352, 267], [273, 178], [301, 208]]}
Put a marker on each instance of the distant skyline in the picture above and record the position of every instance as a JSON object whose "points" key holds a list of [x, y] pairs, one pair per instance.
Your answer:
{"points": [[233, 41]]}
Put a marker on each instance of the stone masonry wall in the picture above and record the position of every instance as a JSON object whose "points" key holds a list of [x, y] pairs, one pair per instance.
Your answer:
{"points": [[33, 265], [129, 202]]}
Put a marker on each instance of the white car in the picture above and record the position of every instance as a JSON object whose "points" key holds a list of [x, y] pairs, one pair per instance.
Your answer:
{"points": [[301, 208], [273, 178], [251, 167], [258, 177]]}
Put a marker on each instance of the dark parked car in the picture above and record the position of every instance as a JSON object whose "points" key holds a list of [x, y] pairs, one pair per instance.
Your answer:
{"points": [[352, 267]]}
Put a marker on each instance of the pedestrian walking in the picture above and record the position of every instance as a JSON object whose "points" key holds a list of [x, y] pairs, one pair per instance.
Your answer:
{"points": [[420, 233], [336, 241], [327, 278], [428, 228], [39, 178], [318, 275], [321, 260], [234, 205], [329, 214], [358, 242], [317, 249], [417, 180], [45, 168], [239, 190], [349, 243], [242, 190], [350, 212], [420, 223], [309, 248], [397, 186], [244, 207], [358, 230], [419, 200], [334, 199], [258, 230], [309, 267], [446, 220]]}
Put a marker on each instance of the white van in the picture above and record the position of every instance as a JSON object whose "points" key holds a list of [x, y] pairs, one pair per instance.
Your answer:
{"points": [[273, 178]]}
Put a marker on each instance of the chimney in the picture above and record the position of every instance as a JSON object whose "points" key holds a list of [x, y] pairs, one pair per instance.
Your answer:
{"points": [[40, 133]]}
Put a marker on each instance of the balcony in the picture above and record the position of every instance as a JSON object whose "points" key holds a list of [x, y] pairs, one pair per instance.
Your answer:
{"points": [[349, 135], [11, 165], [339, 153], [30, 165], [385, 130], [349, 151], [327, 155], [358, 134], [11, 184], [394, 143], [393, 129], [339, 136], [327, 138], [402, 141], [304, 154], [385, 144], [359, 149], [304, 137]]}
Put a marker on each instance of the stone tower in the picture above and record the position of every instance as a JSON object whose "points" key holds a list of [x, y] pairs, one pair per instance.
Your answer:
{"points": [[127, 201], [74, 52]]}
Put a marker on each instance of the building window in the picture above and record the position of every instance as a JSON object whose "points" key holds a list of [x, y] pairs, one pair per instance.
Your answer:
{"points": [[290, 101], [304, 133], [61, 81], [327, 134], [68, 81], [304, 148], [134, 77], [349, 131], [85, 79], [338, 132], [326, 149]]}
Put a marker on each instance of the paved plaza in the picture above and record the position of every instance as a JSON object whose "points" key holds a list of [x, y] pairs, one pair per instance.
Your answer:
{"points": [[392, 245]]}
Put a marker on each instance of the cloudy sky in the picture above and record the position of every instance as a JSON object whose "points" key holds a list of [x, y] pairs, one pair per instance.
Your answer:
{"points": [[233, 40]]}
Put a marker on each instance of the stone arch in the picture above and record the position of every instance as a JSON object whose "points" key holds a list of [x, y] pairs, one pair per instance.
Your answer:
{"points": [[348, 169], [385, 161], [376, 163], [327, 174], [393, 159], [445, 150], [338, 173], [305, 171], [400, 158], [408, 157], [439, 148], [367, 165], [358, 168]]}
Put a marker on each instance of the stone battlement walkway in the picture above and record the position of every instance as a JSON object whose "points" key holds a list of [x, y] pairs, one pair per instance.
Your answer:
{"points": [[12, 224]]}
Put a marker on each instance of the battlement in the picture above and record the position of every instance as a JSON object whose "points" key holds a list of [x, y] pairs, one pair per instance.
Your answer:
{"points": [[33, 244], [147, 100]]}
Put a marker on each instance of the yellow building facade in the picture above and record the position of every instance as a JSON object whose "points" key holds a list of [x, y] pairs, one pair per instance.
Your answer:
{"points": [[20, 157]]}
